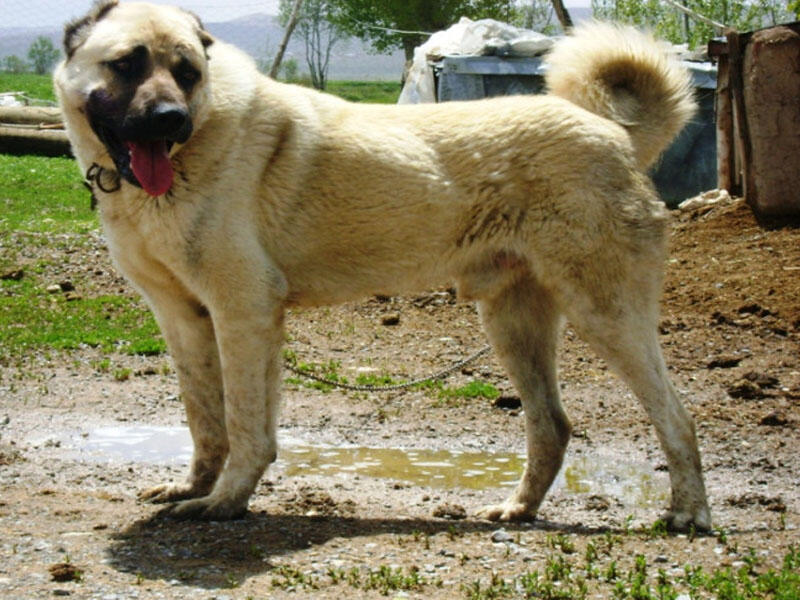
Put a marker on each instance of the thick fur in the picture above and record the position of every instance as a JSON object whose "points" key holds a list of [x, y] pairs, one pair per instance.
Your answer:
{"points": [[536, 207]]}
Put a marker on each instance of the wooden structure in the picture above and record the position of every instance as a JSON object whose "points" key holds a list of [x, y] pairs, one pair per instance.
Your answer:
{"points": [[32, 130], [758, 117]]}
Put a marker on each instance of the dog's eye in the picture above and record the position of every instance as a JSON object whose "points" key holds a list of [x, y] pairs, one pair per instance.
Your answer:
{"points": [[131, 64], [186, 75], [122, 66]]}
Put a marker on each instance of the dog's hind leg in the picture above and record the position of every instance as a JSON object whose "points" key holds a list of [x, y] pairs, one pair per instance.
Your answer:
{"points": [[523, 325], [623, 330], [189, 333]]}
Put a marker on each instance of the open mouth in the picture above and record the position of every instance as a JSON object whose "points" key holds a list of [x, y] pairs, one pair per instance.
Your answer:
{"points": [[144, 163], [150, 164]]}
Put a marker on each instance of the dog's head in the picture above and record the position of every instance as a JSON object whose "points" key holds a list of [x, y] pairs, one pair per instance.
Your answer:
{"points": [[137, 76]]}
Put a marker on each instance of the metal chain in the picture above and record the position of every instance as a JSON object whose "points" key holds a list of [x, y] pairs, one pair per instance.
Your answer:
{"points": [[397, 386]]}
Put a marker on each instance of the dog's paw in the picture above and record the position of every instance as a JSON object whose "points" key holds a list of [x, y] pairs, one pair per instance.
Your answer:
{"points": [[699, 520], [208, 508], [170, 493], [507, 511]]}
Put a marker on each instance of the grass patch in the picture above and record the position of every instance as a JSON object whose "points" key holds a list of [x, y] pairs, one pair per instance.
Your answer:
{"points": [[42, 194], [383, 579], [330, 371], [36, 320], [567, 577], [382, 92], [31, 84], [44, 216], [473, 389]]}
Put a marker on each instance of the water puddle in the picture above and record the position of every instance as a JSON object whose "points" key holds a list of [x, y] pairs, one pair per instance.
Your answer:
{"points": [[632, 483]]}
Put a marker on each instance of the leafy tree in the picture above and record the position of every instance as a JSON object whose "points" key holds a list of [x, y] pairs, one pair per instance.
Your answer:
{"points": [[43, 54], [538, 15], [794, 7], [675, 26], [14, 64], [320, 32], [290, 69], [390, 24]]}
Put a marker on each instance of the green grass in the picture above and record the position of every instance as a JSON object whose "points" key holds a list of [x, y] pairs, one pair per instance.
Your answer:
{"points": [[32, 85], [384, 92], [44, 195], [381, 92], [34, 320], [446, 396], [44, 216], [384, 579], [568, 577]]}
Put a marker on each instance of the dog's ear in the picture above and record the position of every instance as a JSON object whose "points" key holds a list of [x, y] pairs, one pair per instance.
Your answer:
{"points": [[205, 38], [76, 32]]}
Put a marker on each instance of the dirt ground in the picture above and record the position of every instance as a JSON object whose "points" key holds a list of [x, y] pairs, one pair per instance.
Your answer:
{"points": [[71, 525]]}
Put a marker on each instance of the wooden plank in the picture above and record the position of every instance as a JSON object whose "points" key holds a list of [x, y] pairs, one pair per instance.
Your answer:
{"points": [[44, 142], [726, 161]]}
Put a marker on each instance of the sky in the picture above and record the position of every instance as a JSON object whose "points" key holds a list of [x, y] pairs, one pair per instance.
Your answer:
{"points": [[49, 13]]}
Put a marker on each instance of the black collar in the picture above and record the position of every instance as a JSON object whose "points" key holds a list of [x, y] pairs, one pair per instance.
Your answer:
{"points": [[106, 180]]}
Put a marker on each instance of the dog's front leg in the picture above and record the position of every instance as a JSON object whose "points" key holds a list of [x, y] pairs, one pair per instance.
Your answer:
{"points": [[249, 337], [189, 332]]}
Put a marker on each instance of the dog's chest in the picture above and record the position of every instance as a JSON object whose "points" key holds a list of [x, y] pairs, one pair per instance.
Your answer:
{"points": [[142, 230]]}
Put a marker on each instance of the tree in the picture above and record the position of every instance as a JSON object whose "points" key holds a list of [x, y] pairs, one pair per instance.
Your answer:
{"points": [[14, 64], [320, 32], [674, 25], [43, 54], [390, 24], [538, 16], [289, 25], [563, 14]]}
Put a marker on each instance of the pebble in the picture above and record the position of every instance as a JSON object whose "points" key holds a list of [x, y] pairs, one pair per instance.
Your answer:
{"points": [[390, 319], [501, 535]]}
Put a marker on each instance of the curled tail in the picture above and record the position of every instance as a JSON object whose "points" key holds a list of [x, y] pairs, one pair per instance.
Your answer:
{"points": [[628, 77]]}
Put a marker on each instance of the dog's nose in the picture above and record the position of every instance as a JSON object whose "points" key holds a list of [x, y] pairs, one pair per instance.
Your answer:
{"points": [[169, 118], [171, 121]]}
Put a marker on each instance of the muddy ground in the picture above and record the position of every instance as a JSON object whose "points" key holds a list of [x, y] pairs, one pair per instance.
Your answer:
{"points": [[730, 330]]}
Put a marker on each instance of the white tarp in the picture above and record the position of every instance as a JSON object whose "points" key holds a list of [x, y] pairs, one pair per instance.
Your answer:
{"points": [[467, 37]]}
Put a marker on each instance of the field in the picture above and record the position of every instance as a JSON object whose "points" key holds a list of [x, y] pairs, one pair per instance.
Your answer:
{"points": [[34, 86], [41, 87], [373, 493]]}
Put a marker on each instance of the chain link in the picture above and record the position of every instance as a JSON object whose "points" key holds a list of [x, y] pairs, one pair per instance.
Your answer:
{"points": [[397, 386]]}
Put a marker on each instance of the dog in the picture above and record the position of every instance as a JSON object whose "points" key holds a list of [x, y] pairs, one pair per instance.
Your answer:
{"points": [[226, 197]]}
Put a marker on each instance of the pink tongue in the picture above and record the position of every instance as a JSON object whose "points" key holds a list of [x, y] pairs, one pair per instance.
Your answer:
{"points": [[150, 164]]}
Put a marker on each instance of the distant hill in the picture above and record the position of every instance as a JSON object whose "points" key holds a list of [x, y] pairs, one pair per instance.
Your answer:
{"points": [[260, 35]]}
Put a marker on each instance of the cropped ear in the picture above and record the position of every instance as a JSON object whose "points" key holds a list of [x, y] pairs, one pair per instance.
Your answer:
{"points": [[205, 38], [76, 32]]}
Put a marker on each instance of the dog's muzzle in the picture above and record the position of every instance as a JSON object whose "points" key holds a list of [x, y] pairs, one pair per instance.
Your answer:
{"points": [[164, 121]]}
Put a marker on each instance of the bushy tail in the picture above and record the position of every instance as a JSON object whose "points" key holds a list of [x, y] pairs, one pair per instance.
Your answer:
{"points": [[627, 76]]}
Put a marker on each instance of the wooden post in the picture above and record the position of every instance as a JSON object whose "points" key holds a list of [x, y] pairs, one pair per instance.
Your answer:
{"points": [[727, 176], [771, 91], [741, 164]]}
